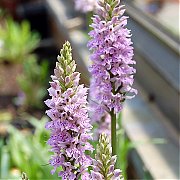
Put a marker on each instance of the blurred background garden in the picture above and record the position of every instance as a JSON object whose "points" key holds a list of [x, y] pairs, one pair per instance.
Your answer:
{"points": [[31, 34]]}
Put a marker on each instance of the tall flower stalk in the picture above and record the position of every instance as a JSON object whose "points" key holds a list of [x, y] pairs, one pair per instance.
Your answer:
{"points": [[85, 5], [104, 162], [69, 125], [112, 53]]}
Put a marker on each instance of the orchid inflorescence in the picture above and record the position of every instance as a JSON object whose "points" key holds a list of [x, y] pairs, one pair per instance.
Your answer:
{"points": [[85, 5], [111, 84], [70, 126], [104, 162], [112, 55]]}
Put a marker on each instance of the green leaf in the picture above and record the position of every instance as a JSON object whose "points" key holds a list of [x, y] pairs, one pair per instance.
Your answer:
{"points": [[5, 115], [4, 163]]}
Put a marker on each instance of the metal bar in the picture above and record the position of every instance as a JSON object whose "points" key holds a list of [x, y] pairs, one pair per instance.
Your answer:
{"points": [[157, 59], [59, 15], [153, 26]]}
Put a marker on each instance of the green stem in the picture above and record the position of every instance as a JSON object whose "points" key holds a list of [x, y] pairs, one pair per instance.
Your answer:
{"points": [[113, 132], [119, 140]]}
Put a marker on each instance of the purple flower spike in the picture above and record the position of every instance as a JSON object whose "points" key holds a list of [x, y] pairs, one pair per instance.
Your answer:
{"points": [[85, 5], [69, 125], [112, 57]]}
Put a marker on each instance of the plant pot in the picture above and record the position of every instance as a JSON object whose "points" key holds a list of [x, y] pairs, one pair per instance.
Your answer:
{"points": [[8, 75]]}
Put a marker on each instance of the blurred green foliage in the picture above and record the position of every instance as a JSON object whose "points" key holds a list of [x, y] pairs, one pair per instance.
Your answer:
{"points": [[16, 41], [33, 82], [27, 153]]}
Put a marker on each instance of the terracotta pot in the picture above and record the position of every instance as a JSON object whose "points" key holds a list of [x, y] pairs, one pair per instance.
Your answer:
{"points": [[8, 75]]}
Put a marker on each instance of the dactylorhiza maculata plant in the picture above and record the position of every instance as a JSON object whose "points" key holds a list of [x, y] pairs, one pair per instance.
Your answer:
{"points": [[69, 125], [112, 53], [104, 162], [85, 5]]}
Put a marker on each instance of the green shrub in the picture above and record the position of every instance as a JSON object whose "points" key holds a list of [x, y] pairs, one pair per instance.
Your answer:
{"points": [[27, 153], [33, 82], [16, 41]]}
